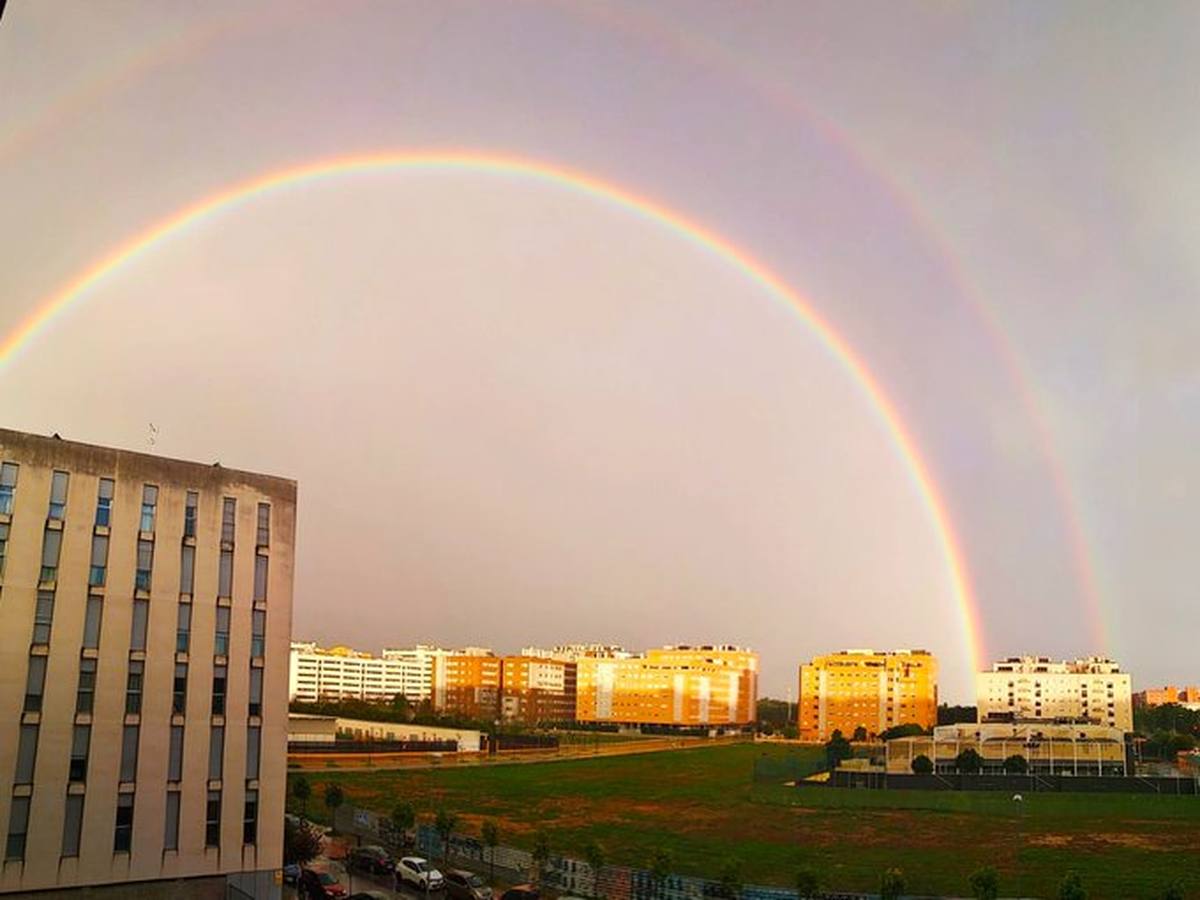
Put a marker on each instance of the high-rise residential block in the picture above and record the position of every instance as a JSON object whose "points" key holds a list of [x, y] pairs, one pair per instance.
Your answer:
{"points": [[536, 690], [1036, 687], [868, 689], [146, 606], [1187, 697], [467, 684], [339, 673], [707, 686]]}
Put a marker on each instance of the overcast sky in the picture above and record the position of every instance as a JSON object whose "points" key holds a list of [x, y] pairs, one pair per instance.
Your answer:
{"points": [[520, 414]]}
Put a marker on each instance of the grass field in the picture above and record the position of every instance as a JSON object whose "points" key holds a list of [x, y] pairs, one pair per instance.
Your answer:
{"points": [[704, 806]]}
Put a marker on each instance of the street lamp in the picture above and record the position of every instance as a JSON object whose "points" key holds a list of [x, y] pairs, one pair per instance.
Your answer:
{"points": [[1020, 801]]}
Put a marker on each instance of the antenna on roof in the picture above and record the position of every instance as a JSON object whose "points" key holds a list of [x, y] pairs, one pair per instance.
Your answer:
{"points": [[152, 437]]}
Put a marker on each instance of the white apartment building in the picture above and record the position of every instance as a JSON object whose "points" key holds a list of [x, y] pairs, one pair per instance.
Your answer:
{"points": [[575, 652], [337, 673], [1036, 687]]}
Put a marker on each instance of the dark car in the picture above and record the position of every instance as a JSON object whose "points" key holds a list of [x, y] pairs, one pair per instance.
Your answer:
{"points": [[371, 859], [521, 892], [464, 885], [319, 885], [370, 895]]}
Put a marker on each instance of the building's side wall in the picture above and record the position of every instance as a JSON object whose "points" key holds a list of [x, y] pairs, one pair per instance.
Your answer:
{"points": [[876, 691]]}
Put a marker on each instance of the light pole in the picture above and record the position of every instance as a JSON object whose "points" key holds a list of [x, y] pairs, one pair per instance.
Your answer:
{"points": [[1020, 801]]}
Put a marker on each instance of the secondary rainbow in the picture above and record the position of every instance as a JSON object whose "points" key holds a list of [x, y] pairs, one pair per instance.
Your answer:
{"points": [[487, 163]]}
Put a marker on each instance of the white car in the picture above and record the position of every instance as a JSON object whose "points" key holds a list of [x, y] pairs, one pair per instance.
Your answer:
{"points": [[417, 872]]}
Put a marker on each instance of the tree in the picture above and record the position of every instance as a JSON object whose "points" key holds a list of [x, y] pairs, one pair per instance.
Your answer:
{"points": [[776, 713], [837, 749], [1071, 887], [301, 842], [445, 822], [302, 790], [969, 761], [540, 853], [807, 883], [661, 864], [593, 853], [891, 885], [908, 729], [403, 818], [1016, 765], [860, 733], [490, 832], [730, 879], [985, 884], [922, 765], [334, 797], [402, 707], [956, 715], [791, 732]]}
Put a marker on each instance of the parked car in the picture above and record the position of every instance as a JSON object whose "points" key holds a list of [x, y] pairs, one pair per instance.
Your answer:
{"points": [[464, 885], [521, 892], [319, 885], [415, 871], [291, 873], [371, 859]]}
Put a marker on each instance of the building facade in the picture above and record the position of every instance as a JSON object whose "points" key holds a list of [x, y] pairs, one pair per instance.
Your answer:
{"points": [[1038, 688], [467, 684], [707, 686], [1187, 697], [340, 673], [146, 605], [869, 689], [537, 690]]}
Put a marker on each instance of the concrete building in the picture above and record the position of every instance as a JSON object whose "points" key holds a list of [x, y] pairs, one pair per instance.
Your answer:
{"points": [[575, 652], [467, 683], [708, 686], [537, 690], [1187, 697], [1050, 748], [875, 690], [1038, 688], [308, 729], [146, 605], [339, 673]]}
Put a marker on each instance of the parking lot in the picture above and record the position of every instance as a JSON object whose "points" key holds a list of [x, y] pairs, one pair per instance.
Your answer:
{"points": [[355, 882]]}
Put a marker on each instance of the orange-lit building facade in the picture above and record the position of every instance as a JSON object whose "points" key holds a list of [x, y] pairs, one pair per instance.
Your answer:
{"points": [[714, 686], [467, 684], [1188, 697], [537, 690], [865, 688]]}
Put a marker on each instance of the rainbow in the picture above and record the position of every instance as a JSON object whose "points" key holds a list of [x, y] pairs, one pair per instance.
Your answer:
{"points": [[54, 306]]}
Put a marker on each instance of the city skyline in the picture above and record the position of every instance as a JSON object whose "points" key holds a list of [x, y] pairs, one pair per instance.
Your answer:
{"points": [[753, 325]]}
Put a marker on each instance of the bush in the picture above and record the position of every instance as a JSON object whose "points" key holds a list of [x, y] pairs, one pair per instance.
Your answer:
{"points": [[922, 765], [969, 761], [1071, 887], [891, 885], [1016, 765], [985, 884], [301, 843]]}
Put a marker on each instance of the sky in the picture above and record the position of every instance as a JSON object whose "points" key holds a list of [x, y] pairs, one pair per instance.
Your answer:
{"points": [[521, 413]]}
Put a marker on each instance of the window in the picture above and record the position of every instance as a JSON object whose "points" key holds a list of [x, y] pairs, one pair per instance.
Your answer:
{"points": [[187, 570], [81, 741], [264, 525], [149, 504], [212, 820], [175, 758], [87, 686], [183, 628], [98, 574], [123, 832], [26, 754], [228, 520], [145, 563], [133, 687], [35, 683], [221, 642], [258, 633], [137, 636], [92, 619], [43, 617], [179, 690], [253, 750], [189, 514], [3, 544], [18, 824], [51, 545], [216, 753], [171, 822], [260, 578], [58, 496], [225, 575], [256, 676], [218, 690], [8, 487], [104, 501], [129, 753], [72, 825], [250, 818]]}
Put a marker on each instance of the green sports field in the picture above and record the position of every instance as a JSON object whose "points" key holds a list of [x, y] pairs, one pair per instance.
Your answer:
{"points": [[704, 806]]}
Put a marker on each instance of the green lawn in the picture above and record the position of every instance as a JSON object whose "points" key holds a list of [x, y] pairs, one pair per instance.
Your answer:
{"points": [[704, 806]]}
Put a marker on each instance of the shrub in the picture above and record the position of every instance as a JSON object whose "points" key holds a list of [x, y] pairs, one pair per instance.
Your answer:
{"points": [[891, 885], [922, 765], [985, 884], [1016, 765], [1071, 887]]}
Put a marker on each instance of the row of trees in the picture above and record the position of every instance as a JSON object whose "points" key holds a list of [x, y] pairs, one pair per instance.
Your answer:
{"points": [[969, 762]]}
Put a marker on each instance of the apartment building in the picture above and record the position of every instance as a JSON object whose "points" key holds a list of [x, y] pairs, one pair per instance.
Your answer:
{"points": [[706, 686], [1187, 697], [467, 683], [534, 690], [339, 673], [869, 689], [1036, 687], [146, 606], [574, 652]]}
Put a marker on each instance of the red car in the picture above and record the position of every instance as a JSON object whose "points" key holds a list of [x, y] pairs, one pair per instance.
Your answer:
{"points": [[318, 885]]}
